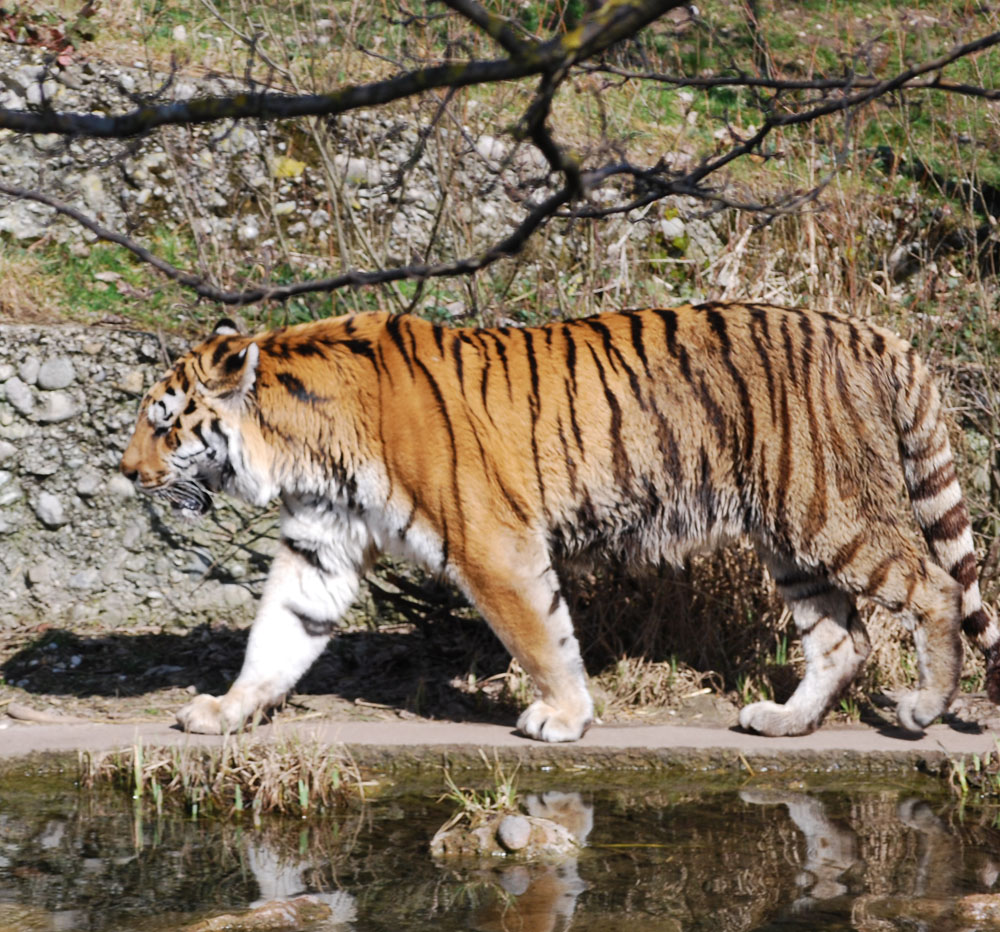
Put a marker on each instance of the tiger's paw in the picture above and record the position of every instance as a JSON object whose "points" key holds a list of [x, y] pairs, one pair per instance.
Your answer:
{"points": [[205, 715], [545, 722], [917, 709], [774, 720]]}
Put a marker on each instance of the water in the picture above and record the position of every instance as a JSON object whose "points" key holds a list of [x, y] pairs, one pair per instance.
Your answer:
{"points": [[661, 854]]}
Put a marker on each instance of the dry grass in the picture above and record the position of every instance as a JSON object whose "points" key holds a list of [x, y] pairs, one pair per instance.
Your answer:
{"points": [[28, 294], [294, 776]]}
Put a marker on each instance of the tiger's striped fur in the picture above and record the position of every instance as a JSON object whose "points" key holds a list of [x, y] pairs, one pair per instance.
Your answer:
{"points": [[492, 455]]}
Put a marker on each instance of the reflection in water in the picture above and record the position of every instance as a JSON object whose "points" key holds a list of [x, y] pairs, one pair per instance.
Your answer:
{"points": [[280, 877], [657, 856], [830, 849], [540, 897]]}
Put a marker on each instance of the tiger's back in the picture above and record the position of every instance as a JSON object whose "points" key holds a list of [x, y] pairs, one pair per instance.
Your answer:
{"points": [[490, 454]]}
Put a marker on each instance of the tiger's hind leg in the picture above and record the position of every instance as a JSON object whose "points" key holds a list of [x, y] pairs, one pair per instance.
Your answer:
{"points": [[894, 574], [523, 604], [834, 642]]}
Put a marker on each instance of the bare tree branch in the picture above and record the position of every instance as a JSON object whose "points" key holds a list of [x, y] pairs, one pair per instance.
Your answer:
{"points": [[936, 83], [493, 25], [613, 21], [551, 61]]}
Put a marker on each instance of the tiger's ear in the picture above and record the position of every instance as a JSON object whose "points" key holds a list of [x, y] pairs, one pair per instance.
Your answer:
{"points": [[250, 357], [229, 327], [234, 375]]}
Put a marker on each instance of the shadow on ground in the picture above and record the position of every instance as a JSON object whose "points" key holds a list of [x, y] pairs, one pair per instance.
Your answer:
{"points": [[424, 672]]}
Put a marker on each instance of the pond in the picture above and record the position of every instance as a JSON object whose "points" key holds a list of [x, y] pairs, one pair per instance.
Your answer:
{"points": [[667, 853]]}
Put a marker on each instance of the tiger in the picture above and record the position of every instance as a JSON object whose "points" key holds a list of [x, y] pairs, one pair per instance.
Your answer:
{"points": [[495, 457]]}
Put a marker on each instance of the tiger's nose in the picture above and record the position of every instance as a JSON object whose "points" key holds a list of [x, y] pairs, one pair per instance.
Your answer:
{"points": [[130, 474]]}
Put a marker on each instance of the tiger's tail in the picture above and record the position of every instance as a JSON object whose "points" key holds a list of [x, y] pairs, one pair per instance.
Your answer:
{"points": [[939, 506]]}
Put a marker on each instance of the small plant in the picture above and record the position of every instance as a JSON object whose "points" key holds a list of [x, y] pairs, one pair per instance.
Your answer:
{"points": [[781, 651], [474, 806], [976, 776], [849, 707]]}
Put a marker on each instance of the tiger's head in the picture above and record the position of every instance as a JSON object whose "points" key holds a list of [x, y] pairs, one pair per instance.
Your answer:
{"points": [[186, 442]]}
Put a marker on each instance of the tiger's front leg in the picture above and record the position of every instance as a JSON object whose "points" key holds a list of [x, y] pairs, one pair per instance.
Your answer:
{"points": [[517, 591], [306, 593]]}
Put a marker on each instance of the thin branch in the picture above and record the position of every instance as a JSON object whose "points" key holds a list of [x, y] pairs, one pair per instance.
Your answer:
{"points": [[612, 22], [493, 25], [904, 81]]}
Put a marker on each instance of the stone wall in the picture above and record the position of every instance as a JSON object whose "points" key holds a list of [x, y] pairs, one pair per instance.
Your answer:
{"points": [[77, 543]]}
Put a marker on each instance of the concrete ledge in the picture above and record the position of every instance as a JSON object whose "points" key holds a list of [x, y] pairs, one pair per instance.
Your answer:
{"points": [[409, 745]]}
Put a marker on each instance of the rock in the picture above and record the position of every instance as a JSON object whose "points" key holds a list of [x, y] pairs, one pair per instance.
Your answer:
{"points": [[120, 488], [983, 909], [514, 832], [491, 148], [528, 837], [85, 579], [56, 407], [41, 573], [7, 450], [10, 494], [49, 510], [357, 171], [672, 228], [20, 396], [133, 381], [57, 372], [28, 370], [89, 483], [274, 916]]}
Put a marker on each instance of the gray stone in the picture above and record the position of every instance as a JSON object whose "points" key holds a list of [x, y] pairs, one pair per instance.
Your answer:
{"points": [[121, 488], [41, 573], [7, 450], [50, 511], [56, 407], [514, 832], [133, 381], [20, 396], [28, 370], [57, 372], [85, 579], [6, 371], [10, 494], [89, 483], [132, 539]]}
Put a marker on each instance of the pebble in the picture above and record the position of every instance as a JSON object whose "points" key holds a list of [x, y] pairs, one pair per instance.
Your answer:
{"points": [[56, 407], [40, 573], [55, 373], [28, 370], [7, 450], [50, 511], [133, 381], [120, 488], [89, 483], [514, 832], [20, 396]]}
